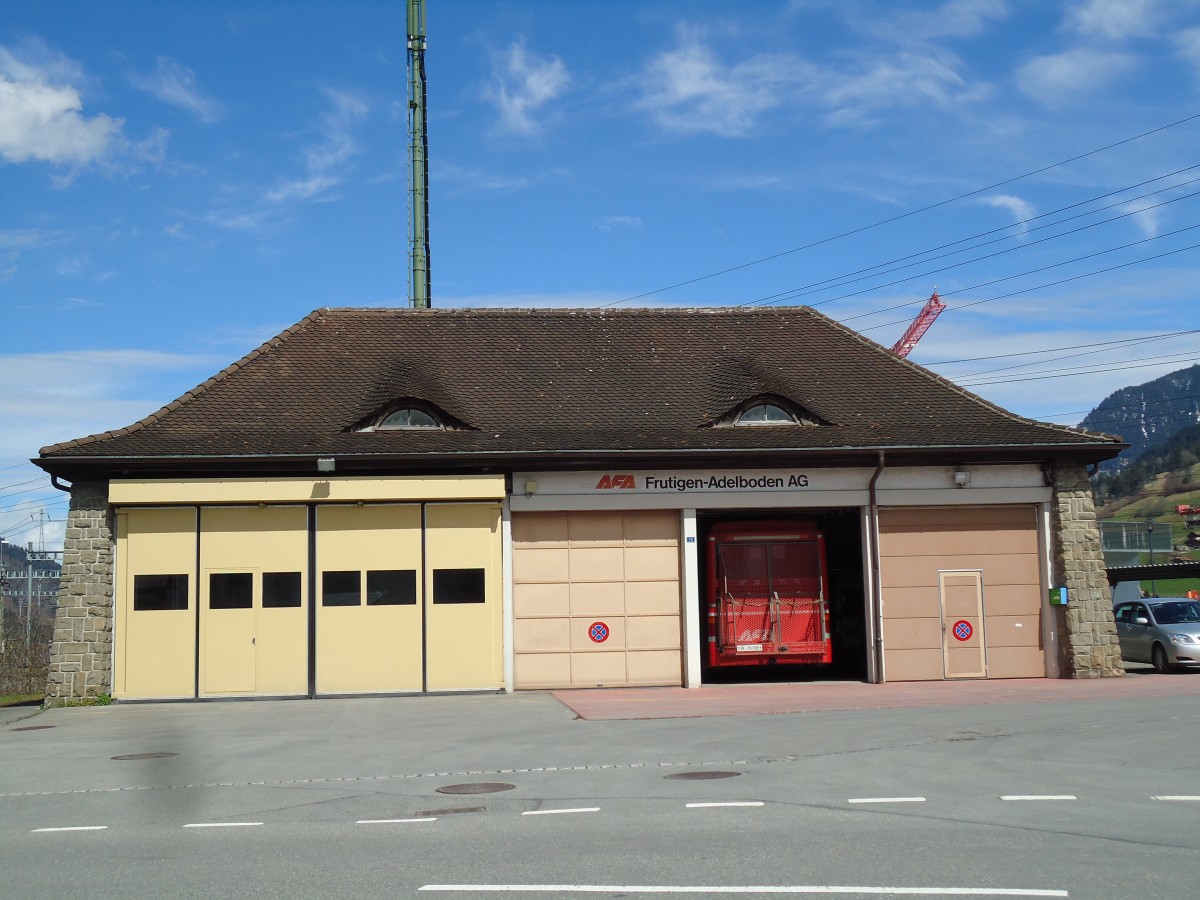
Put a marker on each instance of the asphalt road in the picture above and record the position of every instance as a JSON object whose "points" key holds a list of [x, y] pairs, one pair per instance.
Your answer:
{"points": [[339, 798]]}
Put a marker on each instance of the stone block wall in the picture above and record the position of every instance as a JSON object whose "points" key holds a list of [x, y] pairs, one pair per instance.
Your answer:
{"points": [[81, 651], [1089, 647]]}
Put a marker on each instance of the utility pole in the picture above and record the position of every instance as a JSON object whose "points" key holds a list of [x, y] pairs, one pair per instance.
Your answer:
{"points": [[28, 592], [418, 145]]}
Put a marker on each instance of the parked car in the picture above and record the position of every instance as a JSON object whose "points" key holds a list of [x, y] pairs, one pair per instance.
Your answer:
{"points": [[1163, 631]]}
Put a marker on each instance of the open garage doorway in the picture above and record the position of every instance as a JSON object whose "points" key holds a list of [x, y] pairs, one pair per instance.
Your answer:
{"points": [[782, 596]]}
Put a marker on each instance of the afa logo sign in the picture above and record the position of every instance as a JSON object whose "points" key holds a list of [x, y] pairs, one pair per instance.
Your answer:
{"points": [[621, 482]]}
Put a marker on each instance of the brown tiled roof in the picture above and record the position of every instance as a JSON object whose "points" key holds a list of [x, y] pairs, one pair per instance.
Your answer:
{"points": [[563, 380]]}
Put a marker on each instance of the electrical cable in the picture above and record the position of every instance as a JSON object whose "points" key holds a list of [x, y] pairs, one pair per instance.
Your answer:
{"points": [[843, 280], [1026, 290], [908, 214]]}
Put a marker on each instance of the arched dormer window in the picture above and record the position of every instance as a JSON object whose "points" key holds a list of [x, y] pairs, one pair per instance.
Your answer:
{"points": [[408, 417], [768, 409], [764, 413]]}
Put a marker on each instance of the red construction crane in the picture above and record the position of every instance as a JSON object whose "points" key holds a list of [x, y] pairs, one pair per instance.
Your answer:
{"points": [[930, 311]]}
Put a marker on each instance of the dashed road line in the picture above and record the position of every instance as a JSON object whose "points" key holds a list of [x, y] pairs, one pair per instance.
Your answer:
{"points": [[395, 821], [221, 824], [728, 803], [555, 812], [71, 828], [886, 800], [1183, 797], [793, 889], [1038, 797]]}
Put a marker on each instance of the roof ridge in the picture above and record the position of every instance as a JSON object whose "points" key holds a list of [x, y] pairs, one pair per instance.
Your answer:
{"points": [[957, 388], [199, 389]]}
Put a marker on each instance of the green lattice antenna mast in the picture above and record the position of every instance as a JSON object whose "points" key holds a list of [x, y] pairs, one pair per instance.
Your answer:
{"points": [[418, 145]]}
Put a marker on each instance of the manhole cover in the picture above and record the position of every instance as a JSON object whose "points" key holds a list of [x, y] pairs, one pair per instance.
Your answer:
{"points": [[702, 776], [33, 728], [479, 787], [145, 755]]}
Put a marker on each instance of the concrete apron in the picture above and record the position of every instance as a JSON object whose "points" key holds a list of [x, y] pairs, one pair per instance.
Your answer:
{"points": [[766, 699]]}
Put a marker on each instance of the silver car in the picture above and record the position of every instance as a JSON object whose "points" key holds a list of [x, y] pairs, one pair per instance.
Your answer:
{"points": [[1164, 631]]}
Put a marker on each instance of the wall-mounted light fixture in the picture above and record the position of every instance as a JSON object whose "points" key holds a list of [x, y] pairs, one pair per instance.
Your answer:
{"points": [[530, 488], [326, 464], [961, 478]]}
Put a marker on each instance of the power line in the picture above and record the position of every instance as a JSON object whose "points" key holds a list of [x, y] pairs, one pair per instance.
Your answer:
{"points": [[843, 280], [906, 215], [1070, 374], [1167, 334], [1039, 362], [1025, 290], [1056, 265]]}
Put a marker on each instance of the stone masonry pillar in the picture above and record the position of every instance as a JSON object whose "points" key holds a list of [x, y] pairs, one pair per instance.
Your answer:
{"points": [[1089, 647], [81, 650]]}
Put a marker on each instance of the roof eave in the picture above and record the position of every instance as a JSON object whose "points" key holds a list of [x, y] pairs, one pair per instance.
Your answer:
{"points": [[102, 467]]}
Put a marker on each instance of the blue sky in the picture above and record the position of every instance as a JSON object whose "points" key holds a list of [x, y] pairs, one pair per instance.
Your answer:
{"points": [[180, 181]]}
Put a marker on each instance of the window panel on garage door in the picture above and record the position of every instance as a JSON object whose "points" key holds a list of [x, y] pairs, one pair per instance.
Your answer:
{"points": [[368, 632], [156, 620]]}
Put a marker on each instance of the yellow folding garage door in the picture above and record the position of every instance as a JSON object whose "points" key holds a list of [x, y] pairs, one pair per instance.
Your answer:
{"points": [[155, 654], [962, 593], [596, 599], [410, 598], [253, 603]]}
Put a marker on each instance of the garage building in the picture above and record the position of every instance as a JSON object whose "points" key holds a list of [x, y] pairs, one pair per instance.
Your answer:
{"points": [[389, 501]]}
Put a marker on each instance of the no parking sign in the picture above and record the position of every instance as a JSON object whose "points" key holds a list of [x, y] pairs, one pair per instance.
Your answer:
{"points": [[598, 632], [963, 630]]}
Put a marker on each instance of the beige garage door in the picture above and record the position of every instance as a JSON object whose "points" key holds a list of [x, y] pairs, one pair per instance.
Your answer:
{"points": [[596, 599], [962, 593]]}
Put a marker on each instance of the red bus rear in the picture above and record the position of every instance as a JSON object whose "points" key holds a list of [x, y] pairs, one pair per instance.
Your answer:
{"points": [[766, 594]]}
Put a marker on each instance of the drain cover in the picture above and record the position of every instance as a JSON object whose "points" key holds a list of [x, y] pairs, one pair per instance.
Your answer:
{"points": [[478, 787], [145, 756], [702, 776], [33, 728], [434, 813]]}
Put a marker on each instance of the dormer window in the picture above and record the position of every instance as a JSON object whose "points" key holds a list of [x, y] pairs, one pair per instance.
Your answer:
{"points": [[408, 417], [764, 414], [767, 409]]}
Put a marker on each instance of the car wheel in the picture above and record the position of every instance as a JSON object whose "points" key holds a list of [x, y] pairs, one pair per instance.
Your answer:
{"points": [[1158, 657]]}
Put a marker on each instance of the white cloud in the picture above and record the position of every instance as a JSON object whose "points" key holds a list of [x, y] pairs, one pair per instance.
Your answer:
{"points": [[41, 113], [612, 223], [691, 90], [324, 159], [1118, 19], [176, 85], [523, 85], [884, 83], [54, 397], [1147, 219], [1055, 79], [955, 18], [1020, 209], [1187, 43]]}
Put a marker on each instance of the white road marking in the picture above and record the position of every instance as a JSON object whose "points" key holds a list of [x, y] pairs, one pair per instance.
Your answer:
{"points": [[554, 812], [732, 803], [395, 821], [1038, 797], [72, 828], [1176, 797], [744, 889], [221, 824], [886, 800]]}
